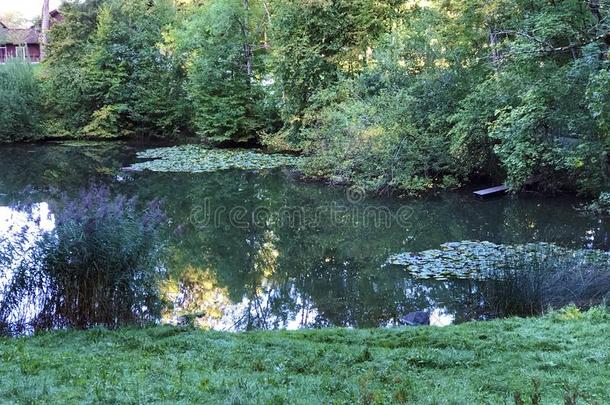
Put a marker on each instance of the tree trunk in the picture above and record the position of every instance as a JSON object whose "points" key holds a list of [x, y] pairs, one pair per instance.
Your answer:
{"points": [[248, 54], [594, 6], [493, 43], [595, 10], [44, 29], [268, 25]]}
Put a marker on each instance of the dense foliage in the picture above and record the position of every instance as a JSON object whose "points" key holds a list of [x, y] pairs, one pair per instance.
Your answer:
{"points": [[19, 103], [107, 74], [386, 94], [600, 206], [512, 87], [313, 44], [223, 51], [98, 266]]}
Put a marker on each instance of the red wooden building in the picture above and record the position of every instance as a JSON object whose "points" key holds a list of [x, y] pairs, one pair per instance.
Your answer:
{"points": [[22, 43]]}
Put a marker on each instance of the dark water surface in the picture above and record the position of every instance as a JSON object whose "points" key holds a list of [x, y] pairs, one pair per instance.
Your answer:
{"points": [[264, 250]]}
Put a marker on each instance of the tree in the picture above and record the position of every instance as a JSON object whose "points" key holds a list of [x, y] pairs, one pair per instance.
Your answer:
{"points": [[314, 43], [68, 104], [535, 112], [122, 80], [222, 46], [44, 28]]}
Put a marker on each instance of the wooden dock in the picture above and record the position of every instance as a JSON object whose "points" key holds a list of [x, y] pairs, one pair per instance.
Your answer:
{"points": [[489, 192]]}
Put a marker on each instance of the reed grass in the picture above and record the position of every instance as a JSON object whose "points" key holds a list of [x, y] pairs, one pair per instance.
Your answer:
{"points": [[99, 266]]}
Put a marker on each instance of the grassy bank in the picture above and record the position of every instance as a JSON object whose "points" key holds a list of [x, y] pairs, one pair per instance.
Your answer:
{"points": [[563, 354]]}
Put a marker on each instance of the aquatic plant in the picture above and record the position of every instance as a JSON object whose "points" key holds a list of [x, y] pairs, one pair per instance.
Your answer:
{"points": [[99, 266], [521, 280], [199, 159], [539, 285], [88, 143], [486, 260]]}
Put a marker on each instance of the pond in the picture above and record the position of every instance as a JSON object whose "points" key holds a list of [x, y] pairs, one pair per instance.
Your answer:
{"points": [[263, 249]]}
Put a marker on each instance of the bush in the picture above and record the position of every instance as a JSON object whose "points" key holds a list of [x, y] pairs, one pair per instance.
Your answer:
{"points": [[20, 103], [99, 266], [379, 138]]}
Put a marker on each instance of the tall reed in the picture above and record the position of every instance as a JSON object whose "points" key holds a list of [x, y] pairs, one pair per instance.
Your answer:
{"points": [[99, 266], [546, 283]]}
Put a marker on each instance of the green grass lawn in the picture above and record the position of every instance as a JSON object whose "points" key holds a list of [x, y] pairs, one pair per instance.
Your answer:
{"points": [[565, 353]]}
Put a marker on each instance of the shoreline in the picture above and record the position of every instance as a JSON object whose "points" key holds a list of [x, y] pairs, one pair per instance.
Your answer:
{"points": [[300, 175]]}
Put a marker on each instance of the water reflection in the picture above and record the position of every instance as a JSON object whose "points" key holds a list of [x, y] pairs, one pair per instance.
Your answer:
{"points": [[37, 218], [20, 229], [271, 273], [28, 224]]}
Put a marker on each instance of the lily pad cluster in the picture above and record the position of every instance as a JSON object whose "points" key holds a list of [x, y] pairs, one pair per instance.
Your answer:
{"points": [[87, 143], [486, 260], [199, 159]]}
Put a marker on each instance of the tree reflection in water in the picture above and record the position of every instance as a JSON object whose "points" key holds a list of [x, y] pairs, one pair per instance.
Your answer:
{"points": [[314, 271]]}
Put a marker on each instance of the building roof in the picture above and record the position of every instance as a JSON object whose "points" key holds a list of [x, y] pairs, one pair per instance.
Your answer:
{"points": [[19, 36], [56, 15]]}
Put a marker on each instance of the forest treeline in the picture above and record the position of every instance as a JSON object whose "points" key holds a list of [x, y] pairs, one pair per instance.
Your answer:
{"points": [[385, 94]]}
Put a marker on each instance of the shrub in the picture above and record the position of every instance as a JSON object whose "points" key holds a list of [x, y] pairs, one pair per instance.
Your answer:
{"points": [[99, 266], [20, 104], [377, 141]]}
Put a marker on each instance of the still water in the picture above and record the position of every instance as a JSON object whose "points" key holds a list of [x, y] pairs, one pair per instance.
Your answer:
{"points": [[266, 250]]}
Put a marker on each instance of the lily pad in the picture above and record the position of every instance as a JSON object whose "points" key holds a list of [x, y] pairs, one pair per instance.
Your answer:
{"points": [[199, 159], [486, 260], [87, 143]]}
